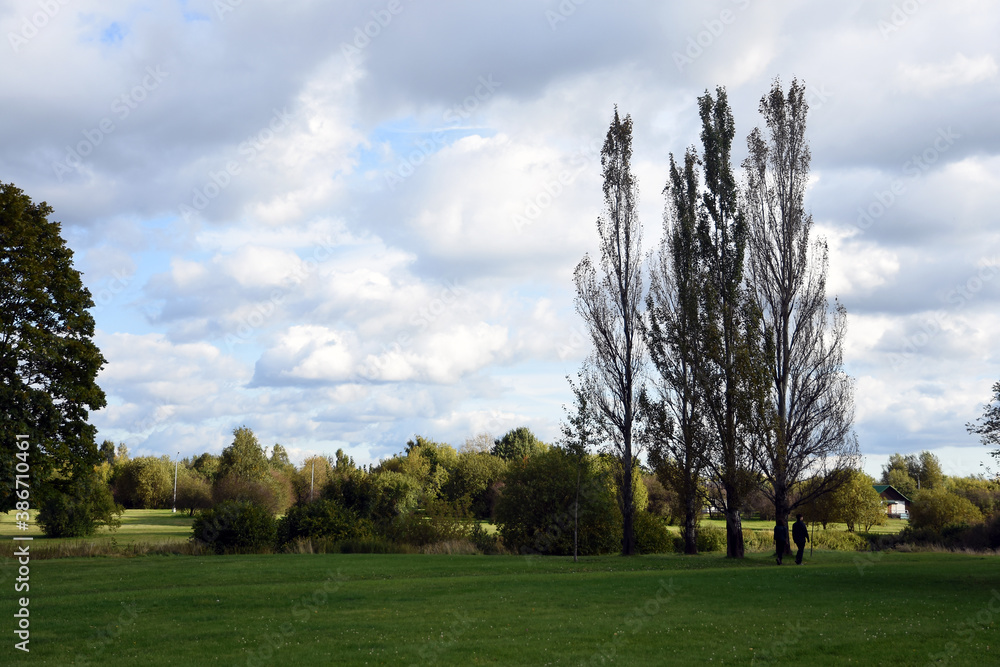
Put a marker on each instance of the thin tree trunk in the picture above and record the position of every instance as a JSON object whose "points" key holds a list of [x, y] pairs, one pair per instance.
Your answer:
{"points": [[691, 527], [734, 532]]}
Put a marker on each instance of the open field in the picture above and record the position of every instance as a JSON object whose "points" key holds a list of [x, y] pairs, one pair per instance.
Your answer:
{"points": [[838, 608], [891, 526], [146, 526], [162, 526]]}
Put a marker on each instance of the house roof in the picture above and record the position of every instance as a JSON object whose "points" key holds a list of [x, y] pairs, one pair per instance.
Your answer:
{"points": [[890, 492]]}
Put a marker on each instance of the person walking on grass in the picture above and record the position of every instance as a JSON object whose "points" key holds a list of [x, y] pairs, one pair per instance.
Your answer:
{"points": [[780, 540], [800, 534]]}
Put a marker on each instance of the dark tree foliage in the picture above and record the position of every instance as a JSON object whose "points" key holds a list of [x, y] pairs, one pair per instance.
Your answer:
{"points": [[78, 507], [48, 360], [676, 434], [236, 527], [735, 379], [323, 519]]}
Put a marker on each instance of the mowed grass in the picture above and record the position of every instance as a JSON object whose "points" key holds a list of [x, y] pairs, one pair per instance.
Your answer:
{"points": [[138, 526], [890, 527], [838, 608]]}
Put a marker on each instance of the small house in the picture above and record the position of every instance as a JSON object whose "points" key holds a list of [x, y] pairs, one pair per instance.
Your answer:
{"points": [[897, 506]]}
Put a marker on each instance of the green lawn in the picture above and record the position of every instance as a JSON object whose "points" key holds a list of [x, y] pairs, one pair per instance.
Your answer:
{"points": [[838, 608], [146, 526], [891, 526]]}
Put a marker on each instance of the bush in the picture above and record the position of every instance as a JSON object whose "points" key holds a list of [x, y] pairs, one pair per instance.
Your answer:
{"points": [[439, 521], [651, 534], [535, 514], [839, 540], [711, 538], [980, 536], [758, 540], [379, 497], [322, 519], [75, 508], [486, 543], [937, 508], [236, 527]]}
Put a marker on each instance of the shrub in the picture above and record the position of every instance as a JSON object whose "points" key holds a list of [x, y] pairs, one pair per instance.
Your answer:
{"points": [[535, 514], [651, 534], [839, 540], [487, 543], [236, 527], [379, 497], [75, 508], [937, 508], [439, 521], [758, 540], [711, 538], [322, 519]]}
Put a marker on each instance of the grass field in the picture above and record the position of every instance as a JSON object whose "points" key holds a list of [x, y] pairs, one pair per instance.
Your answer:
{"points": [[891, 526], [838, 608], [146, 526]]}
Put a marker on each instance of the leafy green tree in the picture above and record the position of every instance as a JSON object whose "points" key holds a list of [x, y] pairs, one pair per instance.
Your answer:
{"points": [[937, 508], [981, 492], [146, 482], [207, 465], [194, 492], [674, 411], [244, 458], [987, 427], [279, 460], [107, 452], [517, 444], [472, 482], [323, 519], [899, 479], [909, 473], [857, 503], [78, 507], [48, 360], [610, 301]]}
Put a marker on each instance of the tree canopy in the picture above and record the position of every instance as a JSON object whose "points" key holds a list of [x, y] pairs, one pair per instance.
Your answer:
{"points": [[48, 360]]}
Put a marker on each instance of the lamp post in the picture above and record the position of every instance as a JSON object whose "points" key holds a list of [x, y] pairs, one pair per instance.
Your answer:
{"points": [[175, 482]]}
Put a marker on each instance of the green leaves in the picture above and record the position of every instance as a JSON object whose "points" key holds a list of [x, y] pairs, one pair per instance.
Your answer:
{"points": [[48, 361]]}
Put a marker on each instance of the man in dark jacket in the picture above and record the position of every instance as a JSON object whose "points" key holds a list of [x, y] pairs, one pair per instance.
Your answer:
{"points": [[799, 535], [780, 540]]}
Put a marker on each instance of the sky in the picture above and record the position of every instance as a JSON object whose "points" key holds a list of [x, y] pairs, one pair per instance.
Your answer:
{"points": [[343, 224]]}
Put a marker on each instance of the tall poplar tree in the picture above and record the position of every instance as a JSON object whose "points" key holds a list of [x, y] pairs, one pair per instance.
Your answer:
{"points": [[609, 298], [734, 381], [675, 421], [810, 396]]}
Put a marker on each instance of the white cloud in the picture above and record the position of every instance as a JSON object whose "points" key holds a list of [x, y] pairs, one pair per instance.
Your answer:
{"points": [[311, 301], [958, 71]]}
